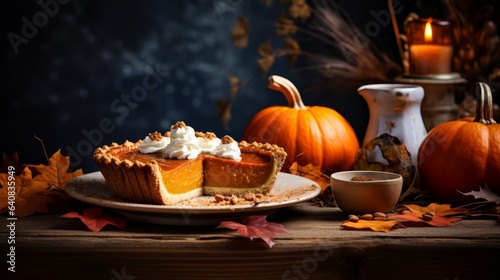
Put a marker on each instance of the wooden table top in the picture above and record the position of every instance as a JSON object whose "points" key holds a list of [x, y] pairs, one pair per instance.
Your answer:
{"points": [[316, 247]]}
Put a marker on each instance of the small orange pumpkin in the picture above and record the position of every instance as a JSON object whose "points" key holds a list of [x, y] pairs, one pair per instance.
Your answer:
{"points": [[462, 155], [314, 135]]}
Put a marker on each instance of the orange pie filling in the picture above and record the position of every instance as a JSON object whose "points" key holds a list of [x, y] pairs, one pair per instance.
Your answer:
{"points": [[177, 176], [227, 177]]}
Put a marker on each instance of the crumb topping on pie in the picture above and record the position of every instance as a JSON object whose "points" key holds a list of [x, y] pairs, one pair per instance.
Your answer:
{"points": [[179, 124], [183, 142], [228, 148], [154, 143], [227, 140], [155, 136], [206, 135]]}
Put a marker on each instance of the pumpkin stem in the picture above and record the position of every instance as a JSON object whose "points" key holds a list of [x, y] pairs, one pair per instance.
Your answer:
{"points": [[484, 104], [288, 89]]}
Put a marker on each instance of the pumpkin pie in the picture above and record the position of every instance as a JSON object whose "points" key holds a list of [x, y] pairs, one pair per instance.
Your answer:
{"points": [[181, 164]]}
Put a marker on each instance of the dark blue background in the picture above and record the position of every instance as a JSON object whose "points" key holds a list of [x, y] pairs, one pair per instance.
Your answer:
{"points": [[66, 84]]}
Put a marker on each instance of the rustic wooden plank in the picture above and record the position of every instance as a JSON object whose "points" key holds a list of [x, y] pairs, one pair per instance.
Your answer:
{"points": [[305, 220], [412, 258], [48, 246]]}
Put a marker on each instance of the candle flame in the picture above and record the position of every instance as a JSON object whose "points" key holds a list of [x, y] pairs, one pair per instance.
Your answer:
{"points": [[428, 32]]}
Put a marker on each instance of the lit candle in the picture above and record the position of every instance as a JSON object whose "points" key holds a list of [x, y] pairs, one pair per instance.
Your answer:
{"points": [[430, 46]]}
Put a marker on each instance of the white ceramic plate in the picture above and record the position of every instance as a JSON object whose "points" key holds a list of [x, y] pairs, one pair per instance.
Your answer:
{"points": [[288, 190]]}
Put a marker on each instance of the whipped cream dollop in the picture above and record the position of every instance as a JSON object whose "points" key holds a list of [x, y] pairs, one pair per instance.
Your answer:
{"points": [[154, 143], [207, 142], [183, 142], [228, 148]]}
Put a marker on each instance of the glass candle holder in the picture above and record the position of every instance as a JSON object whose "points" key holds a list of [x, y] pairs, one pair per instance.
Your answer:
{"points": [[430, 46]]}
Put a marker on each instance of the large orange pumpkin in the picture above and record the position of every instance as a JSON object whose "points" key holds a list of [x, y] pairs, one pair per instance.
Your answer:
{"points": [[462, 155], [309, 134]]}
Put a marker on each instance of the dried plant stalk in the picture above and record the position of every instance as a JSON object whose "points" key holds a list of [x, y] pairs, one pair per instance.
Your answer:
{"points": [[477, 38], [476, 48], [357, 61]]}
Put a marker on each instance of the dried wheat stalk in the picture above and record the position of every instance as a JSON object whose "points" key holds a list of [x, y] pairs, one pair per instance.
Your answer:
{"points": [[357, 61]]}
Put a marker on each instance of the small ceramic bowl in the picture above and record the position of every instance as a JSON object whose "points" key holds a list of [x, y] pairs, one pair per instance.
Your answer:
{"points": [[366, 197]]}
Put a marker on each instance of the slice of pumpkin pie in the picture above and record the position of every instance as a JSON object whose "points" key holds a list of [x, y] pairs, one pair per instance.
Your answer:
{"points": [[183, 164]]}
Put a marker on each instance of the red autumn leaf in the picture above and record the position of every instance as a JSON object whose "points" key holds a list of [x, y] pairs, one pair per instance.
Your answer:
{"points": [[95, 219], [440, 217], [256, 227], [30, 195]]}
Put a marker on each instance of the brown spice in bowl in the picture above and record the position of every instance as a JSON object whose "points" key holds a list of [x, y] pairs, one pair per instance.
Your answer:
{"points": [[363, 178]]}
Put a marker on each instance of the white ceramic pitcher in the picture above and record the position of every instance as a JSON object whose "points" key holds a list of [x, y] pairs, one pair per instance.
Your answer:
{"points": [[395, 109]]}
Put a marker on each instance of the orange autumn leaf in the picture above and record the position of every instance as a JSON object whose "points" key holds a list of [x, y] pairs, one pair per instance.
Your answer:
{"points": [[375, 225], [311, 172], [30, 195], [438, 209], [56, 174], [412, 219], [439, 218]]}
